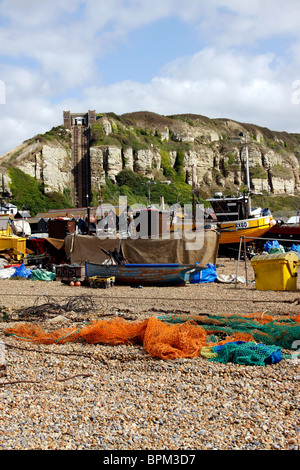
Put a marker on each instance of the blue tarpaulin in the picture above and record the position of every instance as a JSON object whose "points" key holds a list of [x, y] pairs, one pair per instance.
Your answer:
{"points": [[295, 248], [273, 247], [206, 275], [21, 271]]}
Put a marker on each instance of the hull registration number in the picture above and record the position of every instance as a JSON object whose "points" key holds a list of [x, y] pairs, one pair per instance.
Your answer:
{"points": [[242, 224]]}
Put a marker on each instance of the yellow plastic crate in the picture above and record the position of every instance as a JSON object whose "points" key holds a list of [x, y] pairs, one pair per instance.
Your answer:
{"points": [[276, 272], [101, 282], [17, 245]]}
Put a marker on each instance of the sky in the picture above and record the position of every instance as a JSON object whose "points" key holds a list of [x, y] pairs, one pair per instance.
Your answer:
{"points": [[222, 59]]}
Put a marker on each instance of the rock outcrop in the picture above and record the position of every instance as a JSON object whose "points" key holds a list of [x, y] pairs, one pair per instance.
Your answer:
{"points": [[214, 153], [215, 149], [49, 164]]}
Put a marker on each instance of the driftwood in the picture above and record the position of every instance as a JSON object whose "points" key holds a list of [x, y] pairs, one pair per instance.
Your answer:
{"points": [[2, 360]]}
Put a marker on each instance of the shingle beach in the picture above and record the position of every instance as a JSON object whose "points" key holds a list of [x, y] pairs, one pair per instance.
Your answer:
{"points": [[80, 396]]}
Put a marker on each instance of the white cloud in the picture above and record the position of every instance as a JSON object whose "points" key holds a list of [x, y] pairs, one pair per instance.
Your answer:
{"points": [[51, 51], [34, 13], [230, 85], [235, 23]]}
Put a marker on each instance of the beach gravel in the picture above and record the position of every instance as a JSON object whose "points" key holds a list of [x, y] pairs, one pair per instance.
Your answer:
{"points": [[80, 396]]}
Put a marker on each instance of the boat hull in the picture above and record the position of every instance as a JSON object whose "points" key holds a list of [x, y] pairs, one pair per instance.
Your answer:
{"points": [[288, 233], [231, 232], [145, 274]]}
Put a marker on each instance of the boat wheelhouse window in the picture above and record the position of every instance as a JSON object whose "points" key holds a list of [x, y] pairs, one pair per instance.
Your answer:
{"points": [[230, 209]]}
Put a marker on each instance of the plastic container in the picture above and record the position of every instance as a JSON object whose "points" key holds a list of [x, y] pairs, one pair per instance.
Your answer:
{"points": [[15, 244], [67, 273], [276, 271]]}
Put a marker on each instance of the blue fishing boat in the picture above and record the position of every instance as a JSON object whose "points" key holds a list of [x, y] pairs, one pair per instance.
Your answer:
{"points": [[145, 274]]}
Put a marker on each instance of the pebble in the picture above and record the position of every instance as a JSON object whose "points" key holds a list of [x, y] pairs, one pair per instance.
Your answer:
{"points": [[141, 403], [120, 398]]}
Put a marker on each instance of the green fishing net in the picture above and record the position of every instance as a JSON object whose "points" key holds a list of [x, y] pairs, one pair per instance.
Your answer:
{"points": [[278, 332], [247, 353]]}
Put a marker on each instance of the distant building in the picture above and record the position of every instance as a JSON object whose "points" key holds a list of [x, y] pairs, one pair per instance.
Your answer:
{"points": [[8, 208], [294, 220], [38, 226], [78, 119], [22, 215]]}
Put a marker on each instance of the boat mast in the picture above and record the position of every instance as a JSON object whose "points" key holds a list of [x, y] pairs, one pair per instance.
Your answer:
{"points": [[248, 207], [193, 202], [247, 167]]}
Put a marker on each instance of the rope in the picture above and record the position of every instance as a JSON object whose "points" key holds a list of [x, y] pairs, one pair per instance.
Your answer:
{"points": [[196, 299]]}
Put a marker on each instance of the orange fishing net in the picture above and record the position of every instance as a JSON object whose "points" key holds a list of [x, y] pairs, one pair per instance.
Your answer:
{"points": [[167, 340], [158, 339]]}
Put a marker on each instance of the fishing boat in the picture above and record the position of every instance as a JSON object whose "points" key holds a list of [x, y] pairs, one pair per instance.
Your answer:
{"points": [[235, 218], [144, 274], [288, 233]]}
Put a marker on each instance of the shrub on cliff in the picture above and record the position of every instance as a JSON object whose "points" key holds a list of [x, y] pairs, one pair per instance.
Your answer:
{"points": [[28, 192]]}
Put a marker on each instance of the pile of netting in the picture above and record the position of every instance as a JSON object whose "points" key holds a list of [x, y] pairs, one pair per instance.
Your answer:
{"points": [[261, 327], [158, 339], [255, 339]]}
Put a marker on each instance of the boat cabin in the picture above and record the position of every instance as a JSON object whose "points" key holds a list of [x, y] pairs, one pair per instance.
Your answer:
{"points": [[230, 208]]}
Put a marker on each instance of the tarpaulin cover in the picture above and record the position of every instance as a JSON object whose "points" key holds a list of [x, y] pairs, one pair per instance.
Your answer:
{"points": [[206, 275], [81, 248], [21, 271], [40, 245], [42, 275], [274, 247], [187, 250], [7, 273], [56, 242], [271, 244], [295, 248], [183, 251]]}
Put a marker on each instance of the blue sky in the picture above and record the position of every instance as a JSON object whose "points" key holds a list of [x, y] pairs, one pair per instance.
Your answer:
{"points": [[222, 58], [147, 49]]}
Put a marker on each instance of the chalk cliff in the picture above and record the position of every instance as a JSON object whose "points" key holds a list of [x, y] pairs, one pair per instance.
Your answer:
{"points": [[150, 144], [215, 148]]}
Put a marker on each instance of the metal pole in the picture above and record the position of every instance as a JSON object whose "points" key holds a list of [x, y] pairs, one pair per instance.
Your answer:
{"points": [[193, 193], [149, 202], [88, 214], [271, 239], [245, 255], [247, 166], [237, 267], [100, 199]]}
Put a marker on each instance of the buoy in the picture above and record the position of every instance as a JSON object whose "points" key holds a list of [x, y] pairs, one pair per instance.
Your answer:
{"points": [[72, 283], [77, 283]]}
